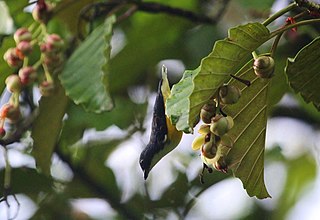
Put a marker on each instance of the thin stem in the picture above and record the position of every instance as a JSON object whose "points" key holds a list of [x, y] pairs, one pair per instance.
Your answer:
{"points": [[244, 81], [255, 55], [300, 23], [7, 171], [311, 6], [279, 13], [25, 62], [275, 44]]}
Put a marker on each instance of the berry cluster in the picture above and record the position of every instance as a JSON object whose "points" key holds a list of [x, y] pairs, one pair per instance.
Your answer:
{"points": [[25, 74], [214, 142]]}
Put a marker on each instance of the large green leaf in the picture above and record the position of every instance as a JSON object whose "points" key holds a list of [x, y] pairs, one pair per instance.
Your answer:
{"points": [[246, 158], [199, 85], [303, 72], [47, 127], [84, 76]]}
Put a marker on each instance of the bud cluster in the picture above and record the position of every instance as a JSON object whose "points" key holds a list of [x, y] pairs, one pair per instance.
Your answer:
{"points": [[214, 141], [43, 71]]}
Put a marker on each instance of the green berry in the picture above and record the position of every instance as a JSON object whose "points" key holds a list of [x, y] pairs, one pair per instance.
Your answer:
{"points": [[219, 125], [207, 112], [229, 94], [209, 150], [264, 66]]}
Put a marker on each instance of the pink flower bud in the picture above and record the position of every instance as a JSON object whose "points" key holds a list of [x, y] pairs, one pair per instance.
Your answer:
{"points": [[41, 12], [54, 43], [13, 57], [22, 34], [27, 75], [25, 47]]}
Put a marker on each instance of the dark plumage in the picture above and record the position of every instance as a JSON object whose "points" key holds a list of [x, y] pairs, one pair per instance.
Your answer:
{"points": [[158, 134]]}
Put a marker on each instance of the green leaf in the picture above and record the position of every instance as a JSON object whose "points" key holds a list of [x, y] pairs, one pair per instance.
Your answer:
{"points": [[246, 158], [198, 86], [84, 76], [303, 72], [47, 127]]}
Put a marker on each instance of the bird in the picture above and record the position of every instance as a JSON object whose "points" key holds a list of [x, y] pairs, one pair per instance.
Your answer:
{"points": [[164, 135]]}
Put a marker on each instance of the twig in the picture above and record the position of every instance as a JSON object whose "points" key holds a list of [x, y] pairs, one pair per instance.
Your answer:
{"points": [[150, 7], [153, 7], [311, 6]]}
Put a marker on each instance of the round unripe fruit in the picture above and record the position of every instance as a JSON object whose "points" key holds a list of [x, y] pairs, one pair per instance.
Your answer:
{"points": [[207, 112], [22, 34], [13, 83], [209, 150], [229, 94], [264, 66], [27, 75], [220, 125]]}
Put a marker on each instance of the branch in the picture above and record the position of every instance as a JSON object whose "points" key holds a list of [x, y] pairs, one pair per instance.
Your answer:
{"points": [[311, 6], [153, 7], [94, 10], [101, 190], [295, 113]]}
